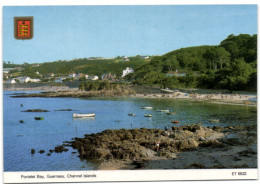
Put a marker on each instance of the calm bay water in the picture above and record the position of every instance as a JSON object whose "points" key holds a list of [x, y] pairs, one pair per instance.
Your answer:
{"points": [[111, 113]]}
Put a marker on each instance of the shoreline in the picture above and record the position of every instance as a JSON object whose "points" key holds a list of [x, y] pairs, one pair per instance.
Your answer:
{"points": [[229, 99]]}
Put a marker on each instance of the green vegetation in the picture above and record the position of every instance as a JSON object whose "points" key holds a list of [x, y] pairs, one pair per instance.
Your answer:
{"points": [[231, 65], [90, 67], [100, 85]]}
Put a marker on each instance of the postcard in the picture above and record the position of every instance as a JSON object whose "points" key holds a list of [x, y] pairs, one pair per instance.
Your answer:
{"points": [[124, 93]]}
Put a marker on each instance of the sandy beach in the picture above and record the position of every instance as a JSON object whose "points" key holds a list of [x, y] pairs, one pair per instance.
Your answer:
{"points": [[64, 91], [238, 99]]}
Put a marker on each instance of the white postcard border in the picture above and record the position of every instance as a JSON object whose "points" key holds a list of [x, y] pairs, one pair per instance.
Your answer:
{"points": [[131, 175]]}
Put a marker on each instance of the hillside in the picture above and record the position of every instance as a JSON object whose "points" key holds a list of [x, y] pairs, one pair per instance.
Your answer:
{"points": [[90, 67], [230, 65]]}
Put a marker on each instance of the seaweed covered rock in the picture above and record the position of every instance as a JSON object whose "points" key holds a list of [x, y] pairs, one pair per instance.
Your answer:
{"points": [[143, 143]]}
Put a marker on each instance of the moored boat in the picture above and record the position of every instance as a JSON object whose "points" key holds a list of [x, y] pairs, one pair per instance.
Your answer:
{"points": [[175, 121], [38, 118], [147, 115], [147, 107], [131, 114], [164, 110], [167, 90], [83, 115]]}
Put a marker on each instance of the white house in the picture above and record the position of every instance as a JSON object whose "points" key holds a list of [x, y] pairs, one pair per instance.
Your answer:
{"points": [[127, 71], [24, 79], [94, 77], [35, 80], [72, 75], [145, 57], [11, 81], [60, 79], [124, 60]]}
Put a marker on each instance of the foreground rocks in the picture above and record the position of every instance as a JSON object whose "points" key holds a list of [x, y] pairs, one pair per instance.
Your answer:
{"points": [[190, 146], [140, 144]]}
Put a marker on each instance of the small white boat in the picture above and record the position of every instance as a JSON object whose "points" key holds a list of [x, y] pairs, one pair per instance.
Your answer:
{"points": [[131, 114], [147, 115], [164, 110], [147, 107], [167, 90], [83, 115]]}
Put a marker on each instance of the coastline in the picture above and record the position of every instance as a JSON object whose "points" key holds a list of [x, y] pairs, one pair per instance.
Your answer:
{"points": [[232, 99]]}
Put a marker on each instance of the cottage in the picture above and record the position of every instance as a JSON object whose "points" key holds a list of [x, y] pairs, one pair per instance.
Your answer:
{"points": [[60, 79], [127, 71], [11, 81], [144, 57], [72, 75], [35, 80], [23, 79], [93, 78]]}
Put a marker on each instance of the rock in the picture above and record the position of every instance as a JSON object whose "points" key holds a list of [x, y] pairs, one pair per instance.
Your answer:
{"points": [[60, 149], [197, 166], [167, 154], [139, 144], [32, 151], [202, 139], [247, 153], [138, 164], [188, 144], [35, 110], [212, 143], [101, 153], [48, 154], [41, 151]]}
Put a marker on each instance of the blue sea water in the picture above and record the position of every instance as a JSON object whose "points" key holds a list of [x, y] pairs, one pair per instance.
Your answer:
{"points": [[111, 113]]}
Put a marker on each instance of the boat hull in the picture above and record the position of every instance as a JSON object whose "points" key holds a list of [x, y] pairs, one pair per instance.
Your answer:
{"points": [[166, 110], [83, 115], [147, 107]]}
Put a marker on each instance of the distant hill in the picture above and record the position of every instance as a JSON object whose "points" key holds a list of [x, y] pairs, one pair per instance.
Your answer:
{"points": [[90, 67]]}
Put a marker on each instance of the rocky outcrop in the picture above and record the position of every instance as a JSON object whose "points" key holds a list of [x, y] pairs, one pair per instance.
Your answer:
{"points": [[140, 144], [114, 92], [36, 110], [60, 149]]}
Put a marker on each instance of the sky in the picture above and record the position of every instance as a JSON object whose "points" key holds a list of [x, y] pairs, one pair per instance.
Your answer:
{"points": [[69, 32]]}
